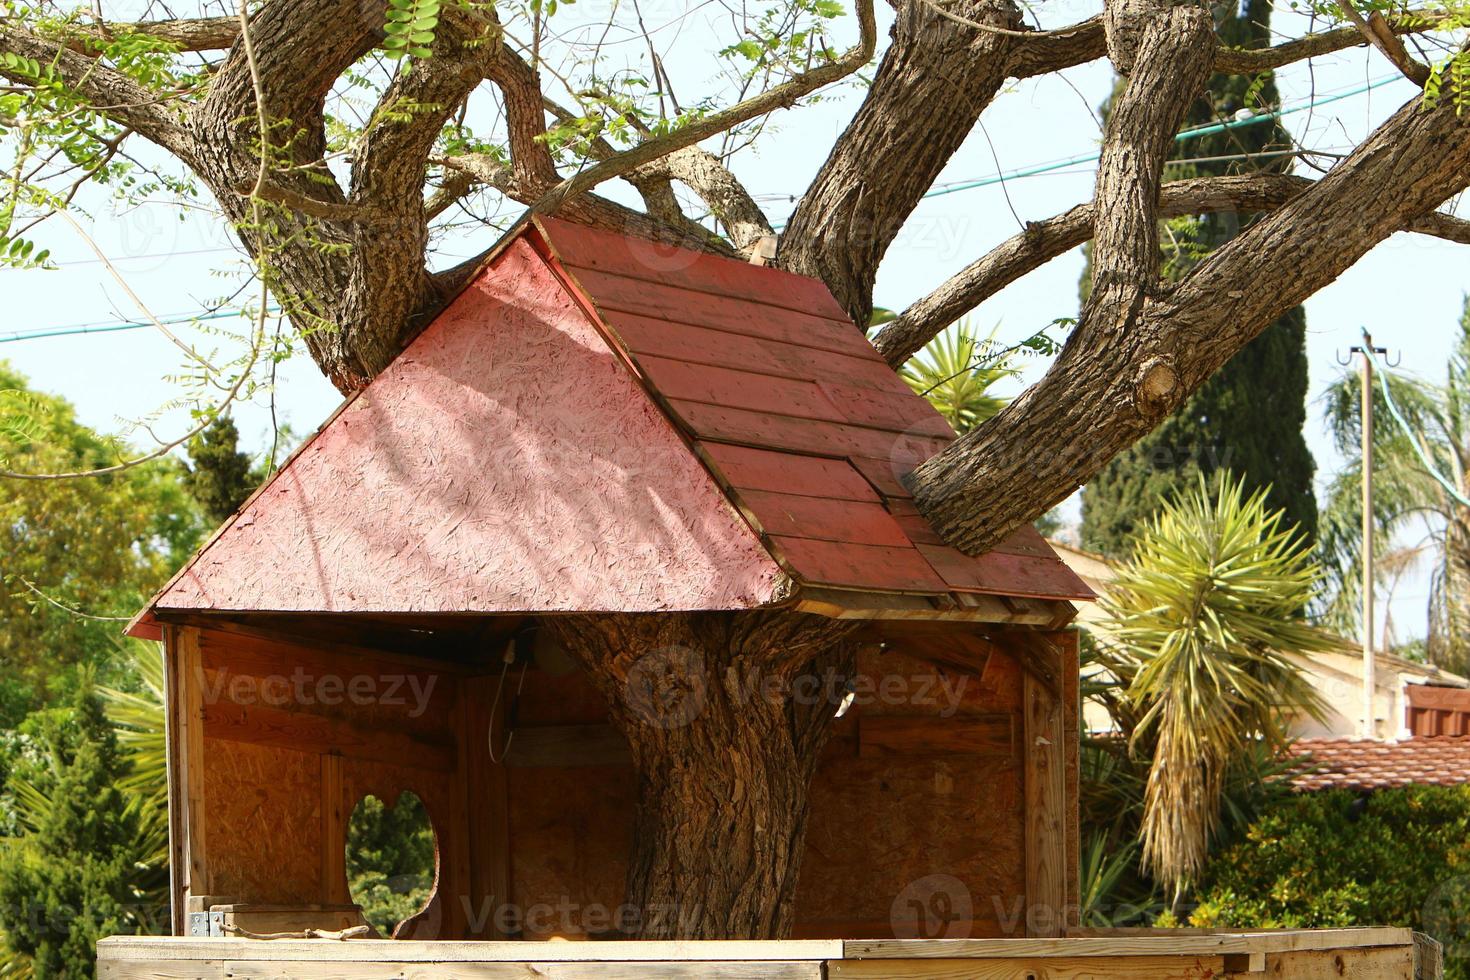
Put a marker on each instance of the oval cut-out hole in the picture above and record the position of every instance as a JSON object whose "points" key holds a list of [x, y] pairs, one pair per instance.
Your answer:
{"points": [[391, 854]]}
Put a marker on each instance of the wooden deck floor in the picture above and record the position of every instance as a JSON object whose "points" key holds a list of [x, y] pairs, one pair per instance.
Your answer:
{"points": [[1330, 954]]}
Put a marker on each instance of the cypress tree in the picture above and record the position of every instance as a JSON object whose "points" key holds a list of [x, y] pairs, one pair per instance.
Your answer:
{"points": [[221, 477], [1248, 418]]}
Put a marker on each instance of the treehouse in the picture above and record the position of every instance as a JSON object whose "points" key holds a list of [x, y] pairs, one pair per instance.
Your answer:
{"points": [[600, 429]]}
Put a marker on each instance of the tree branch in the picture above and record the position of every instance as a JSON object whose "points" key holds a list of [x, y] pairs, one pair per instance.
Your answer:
{"points": [[1087, 408], [781, 96], [187, 34], [110, 92], [935, 79], [1042, 52], [706, 175], [1378, 33], [1045, 240]]}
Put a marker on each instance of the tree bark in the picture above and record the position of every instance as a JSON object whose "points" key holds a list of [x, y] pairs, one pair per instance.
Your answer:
{"points": [[726, 715], [1103, 392], [930, 88]]}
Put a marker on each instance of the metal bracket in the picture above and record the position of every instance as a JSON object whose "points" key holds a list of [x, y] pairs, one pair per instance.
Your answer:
{"points": [[203, 925]]}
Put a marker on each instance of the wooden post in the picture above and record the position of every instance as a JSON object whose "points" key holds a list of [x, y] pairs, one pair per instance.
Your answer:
{"points": [[334, 833], [189, 872], [487, 810], [1046, 794], [177, 849]]}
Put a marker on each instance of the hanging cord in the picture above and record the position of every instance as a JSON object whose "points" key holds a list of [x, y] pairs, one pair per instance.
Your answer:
{"points": [[1403, 423], [507, 660]]}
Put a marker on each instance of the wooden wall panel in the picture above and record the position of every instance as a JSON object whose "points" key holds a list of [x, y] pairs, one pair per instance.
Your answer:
{"points": [[264, 823], [278, 773], [898, 844], [571, 832]]}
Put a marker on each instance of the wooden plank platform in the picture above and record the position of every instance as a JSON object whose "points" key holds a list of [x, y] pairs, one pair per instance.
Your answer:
{"points": [[1379, 954]]}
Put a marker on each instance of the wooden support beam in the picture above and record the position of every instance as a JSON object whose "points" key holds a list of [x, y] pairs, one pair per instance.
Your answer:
{"points": [[487, 806], [568, 745], [178, 850], [980, 736], [334, 832], [1044, 753], [188, 746]]}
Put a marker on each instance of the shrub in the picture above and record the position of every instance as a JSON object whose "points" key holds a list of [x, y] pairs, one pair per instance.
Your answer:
{"points": [[1397, 857]]}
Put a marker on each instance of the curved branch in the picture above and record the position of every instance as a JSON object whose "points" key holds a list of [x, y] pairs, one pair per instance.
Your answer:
{"points": [[109, 92], [705, 174], [1063, 430], [782, 96], [1042, 52], [1045, 240], [934, 81]]}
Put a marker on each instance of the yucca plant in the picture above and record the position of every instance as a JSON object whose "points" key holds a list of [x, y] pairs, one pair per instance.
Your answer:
{"points": [[955, 373], [1206, 615]]}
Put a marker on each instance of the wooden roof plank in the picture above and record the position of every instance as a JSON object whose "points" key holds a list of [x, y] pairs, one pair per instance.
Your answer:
{"points": [[1001, 574], [769, 430], [679, 305], [593, 249], [789, 473], [823, 519], [740, 389], [860, 566], [710, 345]]}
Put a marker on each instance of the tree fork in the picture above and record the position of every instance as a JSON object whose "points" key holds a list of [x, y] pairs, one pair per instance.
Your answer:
{"points": [[726, 715]]}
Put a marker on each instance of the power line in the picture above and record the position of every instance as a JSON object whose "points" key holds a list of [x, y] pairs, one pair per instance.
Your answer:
{"points": [[1034, 171], [116, 327]]}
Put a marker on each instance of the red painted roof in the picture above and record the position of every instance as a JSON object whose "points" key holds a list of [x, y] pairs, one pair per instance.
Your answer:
{"points": [[531, 451], [1360, 764]]}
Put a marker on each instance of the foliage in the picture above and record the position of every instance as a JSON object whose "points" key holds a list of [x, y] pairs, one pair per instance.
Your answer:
{"points": [[74, 549], [1396, 857], [1406, 498], [72, 876], [955, 372], [1249, 417], [137, 718], [221, 476], [390, 859], [1203, 619]]}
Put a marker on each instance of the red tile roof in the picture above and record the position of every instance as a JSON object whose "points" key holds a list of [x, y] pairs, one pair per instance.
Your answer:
{"points": [[1361, 764], [599, 423]]}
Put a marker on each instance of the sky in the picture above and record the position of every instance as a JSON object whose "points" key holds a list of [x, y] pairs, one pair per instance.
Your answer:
{"points": [[1409, 291]]}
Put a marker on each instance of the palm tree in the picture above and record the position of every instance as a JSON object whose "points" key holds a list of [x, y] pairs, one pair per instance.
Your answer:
{"points": [[955, 373], [1200, 626], [1408, 494]]}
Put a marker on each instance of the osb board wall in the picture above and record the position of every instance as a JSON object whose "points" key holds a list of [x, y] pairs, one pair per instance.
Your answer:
{"points": [[571, 827], [943, 830], [272, 710], [909, 844], [263, 818]]}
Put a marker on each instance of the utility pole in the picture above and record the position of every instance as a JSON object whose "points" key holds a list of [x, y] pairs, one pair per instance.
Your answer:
{"points": [[1369, 729]]}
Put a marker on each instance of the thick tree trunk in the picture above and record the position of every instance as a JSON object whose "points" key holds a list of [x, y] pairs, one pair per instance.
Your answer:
{"points": [[726, 715]]}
